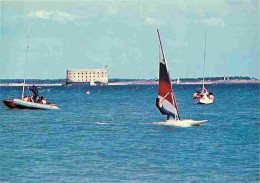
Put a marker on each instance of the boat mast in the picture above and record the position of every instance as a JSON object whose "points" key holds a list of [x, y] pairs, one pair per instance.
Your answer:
{"points": [[204, 59], [160, 44], [26, 58], [175, 103]]}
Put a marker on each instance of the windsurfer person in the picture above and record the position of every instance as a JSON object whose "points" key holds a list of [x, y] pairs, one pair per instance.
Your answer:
{"points": [[35, 93], [159, 105]]}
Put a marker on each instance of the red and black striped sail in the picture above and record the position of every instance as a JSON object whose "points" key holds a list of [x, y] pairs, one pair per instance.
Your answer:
{"points": [[165, 90], [164, 83]]}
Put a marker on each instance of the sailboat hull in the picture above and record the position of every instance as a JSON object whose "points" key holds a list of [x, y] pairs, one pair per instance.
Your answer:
{"points": [[204, 101], [31, 105], [9, 103]]}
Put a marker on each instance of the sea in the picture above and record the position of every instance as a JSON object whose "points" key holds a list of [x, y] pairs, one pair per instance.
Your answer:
{"points": [[114, 134]]}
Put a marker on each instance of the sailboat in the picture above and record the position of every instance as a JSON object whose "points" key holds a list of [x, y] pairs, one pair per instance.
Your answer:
{"points": [[166, 101], [27, 102], [92, 83], [203, 97], [178, 81]]}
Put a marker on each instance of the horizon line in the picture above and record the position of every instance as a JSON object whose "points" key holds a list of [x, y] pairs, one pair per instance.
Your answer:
{"points": [[251, 77]]}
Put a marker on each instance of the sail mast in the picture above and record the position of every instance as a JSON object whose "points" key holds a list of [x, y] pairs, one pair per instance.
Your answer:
{"points": [[173, 96], [27, 49], [160, 44], [204, 59]]}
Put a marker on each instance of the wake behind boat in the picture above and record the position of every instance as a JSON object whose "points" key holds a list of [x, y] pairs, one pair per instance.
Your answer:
{"points": [[166, 102]]}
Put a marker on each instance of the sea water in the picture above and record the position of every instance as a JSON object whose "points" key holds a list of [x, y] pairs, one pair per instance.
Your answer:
{"points": [[114, 134]]}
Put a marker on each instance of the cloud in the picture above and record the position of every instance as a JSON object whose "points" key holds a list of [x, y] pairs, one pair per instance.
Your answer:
{"points": [[153, 21], [53, 15], [213, 21]]}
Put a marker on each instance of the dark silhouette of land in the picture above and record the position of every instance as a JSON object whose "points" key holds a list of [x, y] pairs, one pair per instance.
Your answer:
{"points": [[208, 80]]}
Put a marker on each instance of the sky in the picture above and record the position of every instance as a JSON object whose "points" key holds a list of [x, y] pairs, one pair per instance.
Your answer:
{"points": [[122, 35]]}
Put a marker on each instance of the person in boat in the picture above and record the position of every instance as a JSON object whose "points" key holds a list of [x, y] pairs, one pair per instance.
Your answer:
{"points": [[42, 100], [35, 93], [197, 95], [211, 96], [205, 91], [27, 99], [163, 111]]}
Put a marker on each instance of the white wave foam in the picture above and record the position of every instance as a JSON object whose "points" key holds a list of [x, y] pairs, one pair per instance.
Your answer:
{"points": [[94, 122], [181, 123], [101, 123]]}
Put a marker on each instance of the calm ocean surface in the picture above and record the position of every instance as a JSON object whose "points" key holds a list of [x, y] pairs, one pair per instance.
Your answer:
{"points": [[110, 136]]}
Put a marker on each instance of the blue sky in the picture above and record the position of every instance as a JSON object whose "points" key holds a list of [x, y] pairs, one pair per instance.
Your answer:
{"points": [[122, 34]]}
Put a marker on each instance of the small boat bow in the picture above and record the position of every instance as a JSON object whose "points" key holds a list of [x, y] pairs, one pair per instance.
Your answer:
{"points": [[9, 103]]}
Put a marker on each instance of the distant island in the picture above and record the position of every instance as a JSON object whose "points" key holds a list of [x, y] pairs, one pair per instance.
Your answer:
{"points": [[208, 80]]}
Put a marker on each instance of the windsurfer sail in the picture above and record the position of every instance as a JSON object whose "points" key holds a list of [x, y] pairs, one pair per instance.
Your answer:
{"points": [[165, 102]]}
